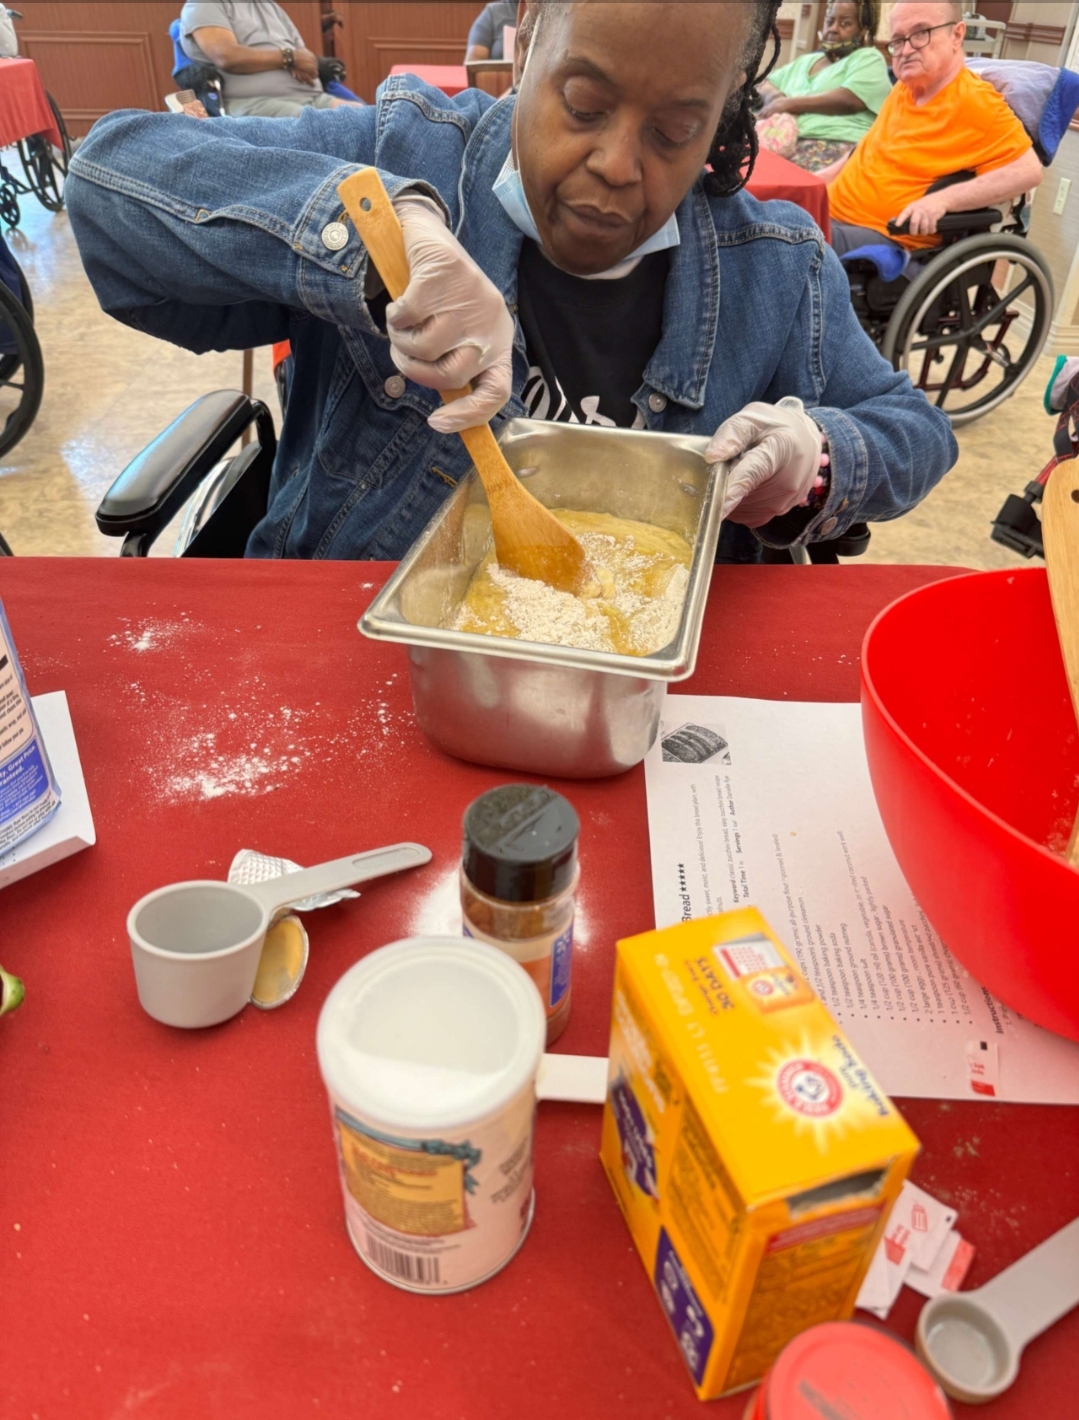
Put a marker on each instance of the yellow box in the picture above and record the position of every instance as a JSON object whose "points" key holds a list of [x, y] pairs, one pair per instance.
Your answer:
{"points": [[752, 1153]]}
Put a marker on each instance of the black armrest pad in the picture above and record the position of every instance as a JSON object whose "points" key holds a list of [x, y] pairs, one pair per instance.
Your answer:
{"points": [[979, 219], [157, 482], [196, 75]]}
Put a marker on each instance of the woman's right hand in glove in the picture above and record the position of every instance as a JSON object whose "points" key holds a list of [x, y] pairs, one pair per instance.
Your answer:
{"points": [[451, 325]]}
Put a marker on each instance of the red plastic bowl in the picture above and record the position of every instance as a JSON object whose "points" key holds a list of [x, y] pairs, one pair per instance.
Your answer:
{"points": [[974, 756]]}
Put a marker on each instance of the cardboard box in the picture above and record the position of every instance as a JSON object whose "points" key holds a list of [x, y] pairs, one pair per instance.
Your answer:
{"points": [[71, 828], [752, 1153]]}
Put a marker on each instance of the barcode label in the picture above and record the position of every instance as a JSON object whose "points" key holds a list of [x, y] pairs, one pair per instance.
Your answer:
{"points": [[408, 1266]]}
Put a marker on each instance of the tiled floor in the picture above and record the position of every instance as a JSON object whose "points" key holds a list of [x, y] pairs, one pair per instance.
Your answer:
{"points": [[109, 391]]}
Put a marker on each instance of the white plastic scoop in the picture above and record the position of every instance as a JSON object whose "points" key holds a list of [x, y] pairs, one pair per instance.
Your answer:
{"points": [[196, 946], [972, 1341]]}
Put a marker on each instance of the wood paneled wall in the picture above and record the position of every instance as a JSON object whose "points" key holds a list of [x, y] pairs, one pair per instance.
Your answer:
{"points": [[95, 57], [377, 36]]}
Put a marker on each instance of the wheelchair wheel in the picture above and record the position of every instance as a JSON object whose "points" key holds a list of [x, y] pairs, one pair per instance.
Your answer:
{"points": [[10, 363], [10, 215], [44, 175], [62, 155], [21, 390], [951, 328]]}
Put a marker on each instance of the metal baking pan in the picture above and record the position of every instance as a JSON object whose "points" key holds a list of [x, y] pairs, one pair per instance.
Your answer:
{"points": [[522, 705]]}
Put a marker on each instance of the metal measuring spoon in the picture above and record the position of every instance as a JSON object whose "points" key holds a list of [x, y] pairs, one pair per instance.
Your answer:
{"points": [[285, 950], [972, 1341]]}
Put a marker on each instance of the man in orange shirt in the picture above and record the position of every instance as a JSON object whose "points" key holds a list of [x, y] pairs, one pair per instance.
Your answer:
{"points": [[939, 119]]}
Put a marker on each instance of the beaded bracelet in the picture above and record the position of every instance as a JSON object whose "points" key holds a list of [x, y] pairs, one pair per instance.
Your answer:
{"points": [[822, 483]]}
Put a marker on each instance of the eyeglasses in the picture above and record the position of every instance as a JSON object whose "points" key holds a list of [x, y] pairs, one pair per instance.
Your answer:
{"points": [[918, 40]]}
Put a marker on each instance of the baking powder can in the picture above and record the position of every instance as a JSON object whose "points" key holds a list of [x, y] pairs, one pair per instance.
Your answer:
{"points": [[429, 1050]]}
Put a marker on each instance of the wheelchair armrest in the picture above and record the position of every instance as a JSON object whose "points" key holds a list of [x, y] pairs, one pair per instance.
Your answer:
{"points": [[158, 482], [330, 69], [978, 219], [196, 75], [975, 219]]}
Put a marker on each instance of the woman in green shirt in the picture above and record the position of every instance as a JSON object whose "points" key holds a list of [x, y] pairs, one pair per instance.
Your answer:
{"points": [[835, 93]]}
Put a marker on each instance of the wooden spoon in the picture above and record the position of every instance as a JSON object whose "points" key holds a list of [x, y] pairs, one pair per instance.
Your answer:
{"points": [[1060, 534], [528, 538]]}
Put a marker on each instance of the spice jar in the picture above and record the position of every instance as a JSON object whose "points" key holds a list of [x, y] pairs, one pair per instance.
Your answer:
{"points": [[518, 877], [848, 1369]]}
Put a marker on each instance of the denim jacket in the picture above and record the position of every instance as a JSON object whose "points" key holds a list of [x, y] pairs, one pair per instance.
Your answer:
{"points": [[228, 234]]}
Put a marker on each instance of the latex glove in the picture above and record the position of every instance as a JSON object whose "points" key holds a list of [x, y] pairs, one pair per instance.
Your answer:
{"points": [[775, 455], [451, 325], [1065, 372]]}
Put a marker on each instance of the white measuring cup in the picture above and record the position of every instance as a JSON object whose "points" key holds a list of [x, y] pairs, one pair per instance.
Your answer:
{"points": [[196, 945], [972, 1341]]}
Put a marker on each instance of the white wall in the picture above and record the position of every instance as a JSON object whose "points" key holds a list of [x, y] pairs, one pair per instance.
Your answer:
{"points": [[1039, 12]]}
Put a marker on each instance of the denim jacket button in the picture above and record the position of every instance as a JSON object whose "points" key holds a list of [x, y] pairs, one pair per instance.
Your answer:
{"points": [[334, 236], [657, 403], [829, 525], [395, 386]]}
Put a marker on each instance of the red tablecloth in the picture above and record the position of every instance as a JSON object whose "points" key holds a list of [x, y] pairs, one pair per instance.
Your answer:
{"points": [[450, 78], [172, 1241], [24, 109], [776, 177]]}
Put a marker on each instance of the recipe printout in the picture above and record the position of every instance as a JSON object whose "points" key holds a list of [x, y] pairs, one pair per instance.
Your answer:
{"points": [[769, 803]]}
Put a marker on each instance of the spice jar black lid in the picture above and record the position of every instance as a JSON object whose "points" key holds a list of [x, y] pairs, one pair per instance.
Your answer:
{"points": [[520, 843]]}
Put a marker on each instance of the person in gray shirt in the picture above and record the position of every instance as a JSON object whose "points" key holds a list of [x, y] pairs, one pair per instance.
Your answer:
{"points": [[485, 36], [266, 67]]}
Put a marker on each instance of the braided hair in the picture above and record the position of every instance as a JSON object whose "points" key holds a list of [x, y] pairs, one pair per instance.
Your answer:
{"points": [[869, 19], [734, 147]]}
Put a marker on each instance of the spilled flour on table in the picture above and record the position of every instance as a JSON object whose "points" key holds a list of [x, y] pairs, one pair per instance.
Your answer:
{"points": [[215, 773], [155, 634], [199, 740], [243, 746]]}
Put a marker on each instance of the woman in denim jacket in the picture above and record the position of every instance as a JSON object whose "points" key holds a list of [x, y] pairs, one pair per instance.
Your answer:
{"points": [[549, 234]]}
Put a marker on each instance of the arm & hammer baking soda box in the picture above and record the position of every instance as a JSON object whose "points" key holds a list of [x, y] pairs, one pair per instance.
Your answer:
{"points": [[752, 1153]]}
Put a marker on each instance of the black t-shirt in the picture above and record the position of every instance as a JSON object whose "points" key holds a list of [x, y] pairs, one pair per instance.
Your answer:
{"points": [[588, 342]]}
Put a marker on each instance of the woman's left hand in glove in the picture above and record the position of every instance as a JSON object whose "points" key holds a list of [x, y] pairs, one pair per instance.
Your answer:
{"points": [[775, 455]]}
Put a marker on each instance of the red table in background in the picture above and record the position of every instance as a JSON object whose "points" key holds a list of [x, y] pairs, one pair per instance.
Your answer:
{"points": [[172, 1240], [24, 108], [450, 78], [776, 177]]}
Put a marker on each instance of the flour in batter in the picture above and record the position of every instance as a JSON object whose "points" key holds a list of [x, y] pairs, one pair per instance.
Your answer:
{"points": [[642, 569]]}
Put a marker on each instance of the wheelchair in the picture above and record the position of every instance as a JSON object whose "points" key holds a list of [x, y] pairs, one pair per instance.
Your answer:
{"points": [[953, 321], [951, 316], [44, 167]]}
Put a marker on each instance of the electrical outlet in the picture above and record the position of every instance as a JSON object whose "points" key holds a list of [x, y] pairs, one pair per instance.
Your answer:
{"points": [[1062, 195]]}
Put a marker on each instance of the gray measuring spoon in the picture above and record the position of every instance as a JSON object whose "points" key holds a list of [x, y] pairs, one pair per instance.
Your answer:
{"points": [[972, 1341], [196, 945]]}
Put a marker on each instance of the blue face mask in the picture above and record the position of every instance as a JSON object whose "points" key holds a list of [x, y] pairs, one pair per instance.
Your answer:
{"points": [[509, 189]]}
